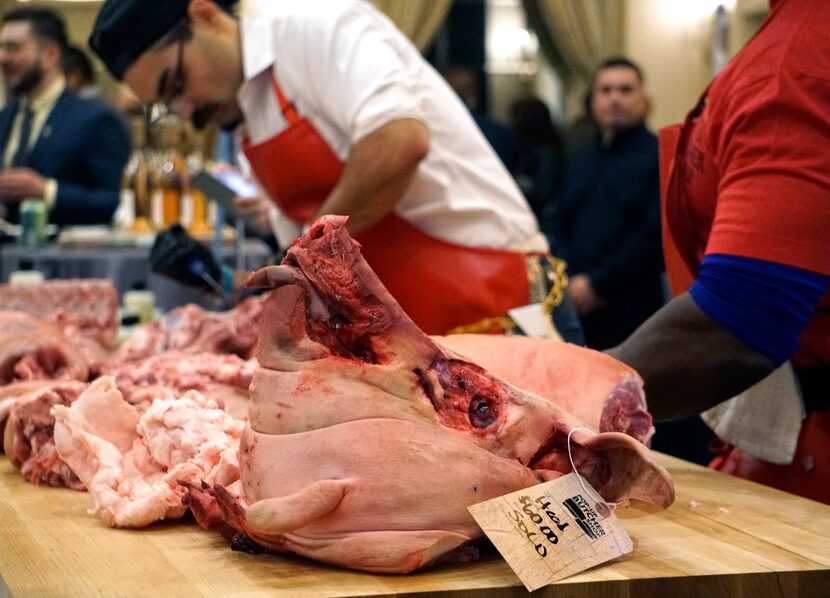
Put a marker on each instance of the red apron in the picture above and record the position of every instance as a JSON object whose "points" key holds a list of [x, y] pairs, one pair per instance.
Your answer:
{"points": [[809, 473], [439, 284]]}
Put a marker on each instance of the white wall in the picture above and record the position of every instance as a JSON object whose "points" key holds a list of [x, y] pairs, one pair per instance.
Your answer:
{"points": [[671, 40]]}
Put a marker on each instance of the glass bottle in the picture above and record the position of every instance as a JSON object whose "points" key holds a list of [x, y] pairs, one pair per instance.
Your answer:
{"points": [[169, 172], [199, 223], [134, 210]]}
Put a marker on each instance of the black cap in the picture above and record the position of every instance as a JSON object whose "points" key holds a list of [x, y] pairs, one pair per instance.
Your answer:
{"points": [[125, 29]]}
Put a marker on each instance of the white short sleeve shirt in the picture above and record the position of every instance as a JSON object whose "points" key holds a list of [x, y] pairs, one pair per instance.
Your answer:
{"points": [[349, 70]]}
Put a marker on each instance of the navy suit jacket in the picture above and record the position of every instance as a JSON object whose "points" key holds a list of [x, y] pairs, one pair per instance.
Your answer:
{"points": [[84, 146]]}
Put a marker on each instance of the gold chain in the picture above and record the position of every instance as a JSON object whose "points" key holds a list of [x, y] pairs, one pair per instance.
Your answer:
{"points": [[501, 324], [558, 284]]}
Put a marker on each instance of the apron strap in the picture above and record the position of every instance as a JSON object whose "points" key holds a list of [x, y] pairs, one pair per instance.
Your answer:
{"points": [[673, 143], [288, 110]]}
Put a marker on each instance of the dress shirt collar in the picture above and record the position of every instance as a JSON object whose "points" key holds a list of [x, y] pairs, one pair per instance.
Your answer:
{"points": [[256, 37], [44, 102]]}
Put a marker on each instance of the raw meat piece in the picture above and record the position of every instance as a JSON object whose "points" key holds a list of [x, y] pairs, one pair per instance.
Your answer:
{"points": [[31, 348], [133, 464], [594, 387], [10, 393], [87, 308], [223, 378], [367, 441], [29, 441], [191, 329]]}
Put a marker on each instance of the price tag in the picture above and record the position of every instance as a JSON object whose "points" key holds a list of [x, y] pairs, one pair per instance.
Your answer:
{"points": [[553, 530], [533, 321]]}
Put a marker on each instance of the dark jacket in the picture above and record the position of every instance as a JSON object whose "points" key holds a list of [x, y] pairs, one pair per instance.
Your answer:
{"points": [[606, 223], [84, 145]]}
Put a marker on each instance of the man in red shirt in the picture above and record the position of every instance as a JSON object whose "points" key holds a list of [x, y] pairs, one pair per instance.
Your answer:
{"points": [[747, 242]]}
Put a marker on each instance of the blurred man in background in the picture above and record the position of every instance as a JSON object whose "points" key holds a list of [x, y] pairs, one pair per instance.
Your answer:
{"points": [[80, 77], [606, 220], [63, 150], [467, 83]]}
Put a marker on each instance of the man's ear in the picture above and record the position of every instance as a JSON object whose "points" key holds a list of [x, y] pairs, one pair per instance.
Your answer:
{"points": [[646, 106], [52, 55]]}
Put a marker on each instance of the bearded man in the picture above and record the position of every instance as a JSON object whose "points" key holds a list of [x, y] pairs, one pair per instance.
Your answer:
{"points": [[66, 151]]}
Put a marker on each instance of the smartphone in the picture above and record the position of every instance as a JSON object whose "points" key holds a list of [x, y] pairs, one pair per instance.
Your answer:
{"points": [[223, 186], [238, 183]]}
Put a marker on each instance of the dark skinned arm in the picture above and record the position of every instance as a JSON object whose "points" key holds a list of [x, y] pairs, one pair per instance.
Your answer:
{"points": [[688, 362], [379, 169]]}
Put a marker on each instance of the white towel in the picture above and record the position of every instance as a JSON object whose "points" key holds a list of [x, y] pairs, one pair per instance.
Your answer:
{"points": [[764, 420]]}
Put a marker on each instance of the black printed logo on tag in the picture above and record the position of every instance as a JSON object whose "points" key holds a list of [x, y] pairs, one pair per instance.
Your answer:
{"points": [[585, 516]]}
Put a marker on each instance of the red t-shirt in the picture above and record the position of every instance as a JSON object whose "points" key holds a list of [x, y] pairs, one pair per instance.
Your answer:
{"points": [[756, 169]]}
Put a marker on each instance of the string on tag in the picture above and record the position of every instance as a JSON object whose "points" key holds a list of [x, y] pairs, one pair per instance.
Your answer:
{"points": [[612, 505]]}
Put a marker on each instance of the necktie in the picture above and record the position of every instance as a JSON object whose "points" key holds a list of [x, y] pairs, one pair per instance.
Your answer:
{"points": [[25, 132]]}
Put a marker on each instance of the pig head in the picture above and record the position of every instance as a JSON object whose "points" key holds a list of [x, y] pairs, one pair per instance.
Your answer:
{"points": [[367, 441]]}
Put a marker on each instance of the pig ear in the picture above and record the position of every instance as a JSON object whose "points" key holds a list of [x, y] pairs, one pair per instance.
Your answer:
{"points": [[270, 277], [281, 515]]}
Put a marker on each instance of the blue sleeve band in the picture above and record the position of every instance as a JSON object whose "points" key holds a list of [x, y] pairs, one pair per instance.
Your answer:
{"points": [[764, 304]]}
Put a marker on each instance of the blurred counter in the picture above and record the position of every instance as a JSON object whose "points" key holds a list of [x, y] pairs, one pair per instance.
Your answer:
{"points": [[127, 267], [722, 538]]}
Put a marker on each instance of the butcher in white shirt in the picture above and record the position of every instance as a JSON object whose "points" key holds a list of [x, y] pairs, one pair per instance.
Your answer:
{"points": [[342, 115]]}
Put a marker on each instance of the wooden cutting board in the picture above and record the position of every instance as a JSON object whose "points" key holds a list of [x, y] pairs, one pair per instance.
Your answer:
{"points": [[722, 537]]}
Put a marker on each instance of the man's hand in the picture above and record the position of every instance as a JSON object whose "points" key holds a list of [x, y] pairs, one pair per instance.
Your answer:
{"points": [[17, 184], [255, 211], [581, 292]]}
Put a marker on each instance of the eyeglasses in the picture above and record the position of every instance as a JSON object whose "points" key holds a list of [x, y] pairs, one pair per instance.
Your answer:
{"points": [[170, 92]]}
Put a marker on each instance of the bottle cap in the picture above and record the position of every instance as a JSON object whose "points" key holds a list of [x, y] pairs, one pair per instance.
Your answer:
{"points": [[26, 277], [142, 303]]}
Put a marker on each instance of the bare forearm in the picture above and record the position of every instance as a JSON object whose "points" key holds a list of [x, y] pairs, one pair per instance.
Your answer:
{"points": [[688, 362], [380, 168]]}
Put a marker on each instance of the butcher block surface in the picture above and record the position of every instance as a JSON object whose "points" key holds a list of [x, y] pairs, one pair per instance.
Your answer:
{"points": [[722, 537]]}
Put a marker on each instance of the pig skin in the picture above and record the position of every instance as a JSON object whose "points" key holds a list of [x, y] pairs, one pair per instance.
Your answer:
{"points": [[367, 441], [596, 388]]}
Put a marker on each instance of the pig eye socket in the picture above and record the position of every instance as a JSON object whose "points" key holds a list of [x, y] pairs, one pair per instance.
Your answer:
{"points": [[481, 413]]}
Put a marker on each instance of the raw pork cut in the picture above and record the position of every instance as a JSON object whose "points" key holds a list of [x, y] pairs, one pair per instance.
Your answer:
{"points": [[31, 348], [596, 388], [191, 329], [223, 378], [28, 438], [10, 393], [137, 466], [87, 308], [367, 441]]}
